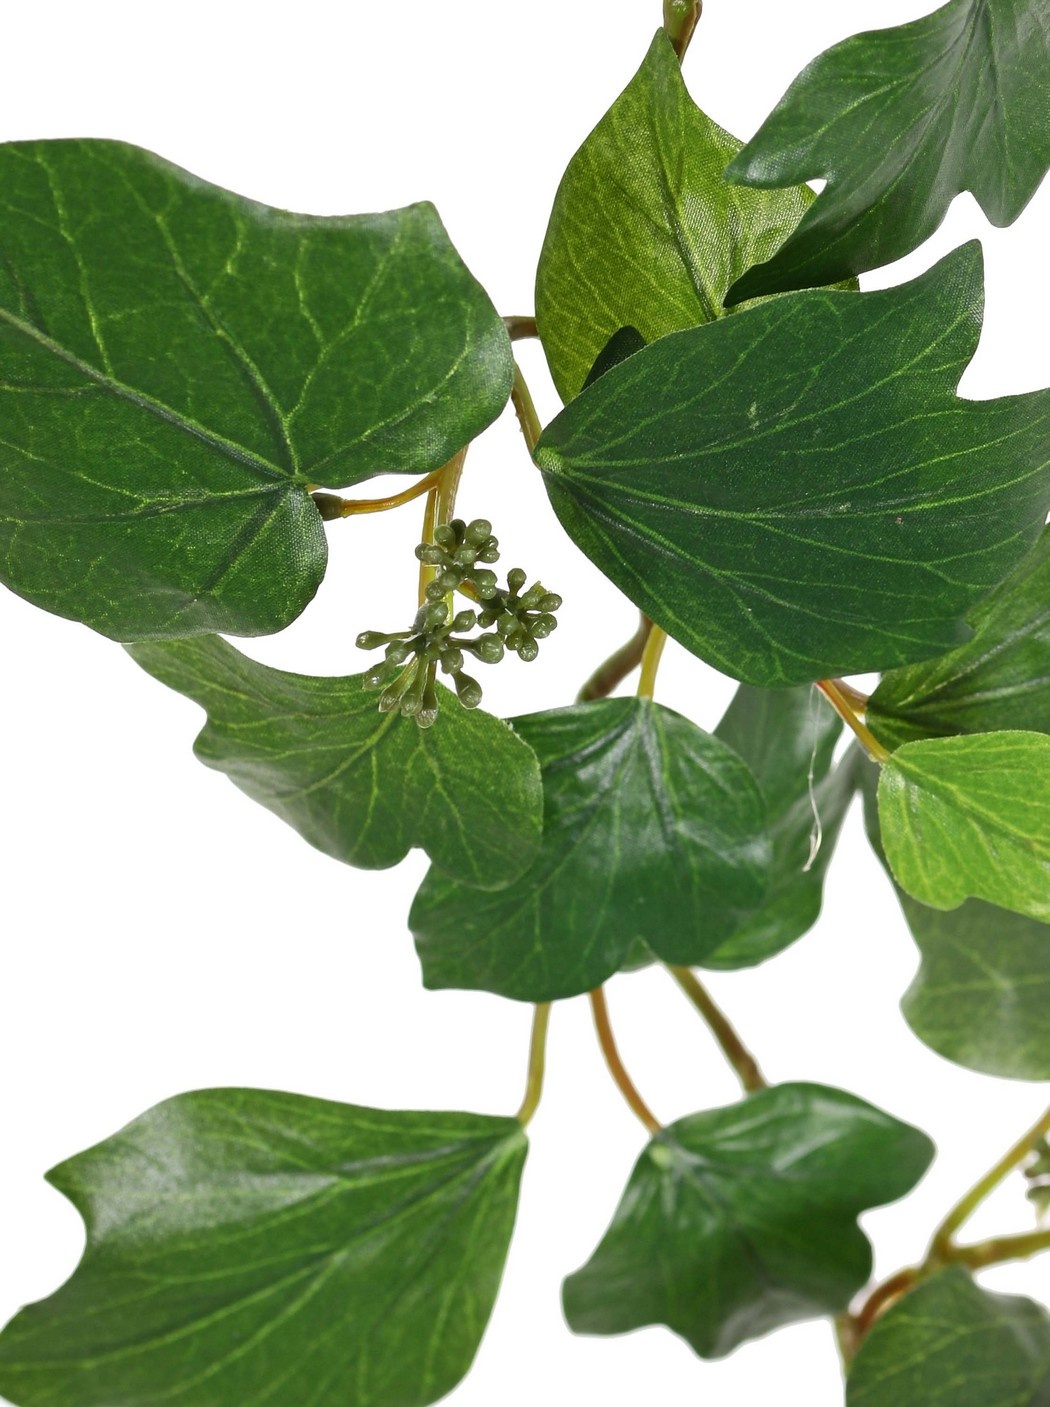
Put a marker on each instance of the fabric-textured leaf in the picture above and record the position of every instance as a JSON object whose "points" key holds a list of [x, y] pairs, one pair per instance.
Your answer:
{"points": [[362, 786], [900, 121], [652, 829], [743, 1219], [645, 231], [969, 817], [803, 494], [1000, 679], [949, 1343], [245, 1246], [178, 365]]}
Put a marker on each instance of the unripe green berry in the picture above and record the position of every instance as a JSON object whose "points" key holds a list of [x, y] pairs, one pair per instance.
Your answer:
{"points": [[468, 690], [452, 661], [550, 602], [479, 532], [516, 578], [463, 621], [485, 584], [528, 650]]}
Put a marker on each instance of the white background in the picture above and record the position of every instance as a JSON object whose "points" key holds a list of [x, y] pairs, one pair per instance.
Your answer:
{"points": [[162, 933]]}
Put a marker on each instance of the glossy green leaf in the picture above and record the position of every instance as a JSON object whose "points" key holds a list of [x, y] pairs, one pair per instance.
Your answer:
{"points": [[651, 829], [900, 121], [179, 364], [645, 230], [949, 1343], [803, 494], [969, 818], [361, 785], [999, 679], [246, 1247], [743, 1219]]}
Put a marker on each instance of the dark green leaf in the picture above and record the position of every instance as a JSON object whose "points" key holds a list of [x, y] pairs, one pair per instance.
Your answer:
{"points": [[948, 1343], [742, 1219], [360, 785], [620, 346], [245, 1247], [651, 829], [804, 495], [1000, 679], [645, 230], [178, 365], [900, 121], [969, 817]]}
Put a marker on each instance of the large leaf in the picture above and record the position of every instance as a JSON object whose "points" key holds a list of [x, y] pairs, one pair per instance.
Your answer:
{"points": [[969, 817], [948, 1343], [999, 679], [248, 1247], [178, 365], [645, 231], [900, 121], [743, 1219], [801, 493], [652, 829], [362, 786]]}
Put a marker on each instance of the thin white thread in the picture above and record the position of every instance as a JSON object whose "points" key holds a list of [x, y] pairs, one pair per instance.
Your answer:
{"points": [[816, 835]]}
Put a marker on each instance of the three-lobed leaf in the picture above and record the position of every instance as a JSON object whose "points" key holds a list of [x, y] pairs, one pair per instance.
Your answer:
{"points": [[362, 786], [652, 829], [900, 121], [739, 1220], [178, 365], [246, 1246], [797, 491]]}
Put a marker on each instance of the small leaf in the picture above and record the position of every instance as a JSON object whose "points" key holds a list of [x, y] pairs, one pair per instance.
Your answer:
{"points": [[246, 1246], [362, 786], [948, 1343], [1000, 679], [805, 495], [900, 121], [645, 230], [652, 829], [743, 1219], [178, 365], [969, 817]]}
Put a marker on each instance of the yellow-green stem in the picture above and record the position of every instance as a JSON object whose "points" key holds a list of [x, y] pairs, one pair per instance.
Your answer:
{"points": [[526, 410], [733, 1048], [651, 656], [833, 692], [623, 1081], [537, 1062]]}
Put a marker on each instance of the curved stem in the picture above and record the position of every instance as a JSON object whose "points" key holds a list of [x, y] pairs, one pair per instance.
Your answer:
{"points": [[441, 504], [526, 409], [335, 507], [518, 328], [617, 667], [998, 1249], [880, 1300], [680, 20], [624, 1083], [835, 695], [651, 656], [733, 1048], [537, 1063]]}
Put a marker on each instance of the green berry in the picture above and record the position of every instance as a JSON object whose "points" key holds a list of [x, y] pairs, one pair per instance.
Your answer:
{"points": [[516, 579], [468, 690]]}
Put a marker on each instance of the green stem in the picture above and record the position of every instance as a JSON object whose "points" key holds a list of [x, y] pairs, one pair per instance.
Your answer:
{"points": [[680, 20], [526, 409], [839, 701], [441, 504], [998, 1249], [518, 328], [623, 1081], [617, 667], [651, 656], [332, 506], [733, 1048], [537, 1063]]}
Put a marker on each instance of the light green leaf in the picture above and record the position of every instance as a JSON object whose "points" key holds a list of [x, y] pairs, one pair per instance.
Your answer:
{"points": [[652, 829], [248, 1247], [948, 1343], [969, 817], [743, 1219], [645, 231], [178, 365], [803, 494], [362, 786], [1000, 679], [900, 121]]}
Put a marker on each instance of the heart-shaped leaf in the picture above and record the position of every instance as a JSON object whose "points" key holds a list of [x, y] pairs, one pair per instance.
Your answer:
{"points": [[362, 786]]}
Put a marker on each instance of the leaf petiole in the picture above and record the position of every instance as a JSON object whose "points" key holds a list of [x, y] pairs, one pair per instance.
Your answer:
{"points": [[622, 1079], [680, 21], [845, 701], [525, 407], [537, 1063], [733, 1048], [651, 656]]}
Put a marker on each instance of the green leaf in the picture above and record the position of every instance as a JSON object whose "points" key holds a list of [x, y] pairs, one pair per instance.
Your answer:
{"points": [[178, 365], [900, 121], [362, 786], [969, 817], [1000, 679], [743, 1219], [948, 1343], [645, 230], [804, 494], [246, 1246], [652, 829]]}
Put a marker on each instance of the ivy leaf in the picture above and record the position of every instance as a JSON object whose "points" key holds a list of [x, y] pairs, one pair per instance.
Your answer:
{"points": [[900, 121], [743, 1219], [244, 1245], [948, 1343], [651, 829], [645, 230], [805, 495], [1000, 679], [362, 786], [178, 365], [969, 817]]}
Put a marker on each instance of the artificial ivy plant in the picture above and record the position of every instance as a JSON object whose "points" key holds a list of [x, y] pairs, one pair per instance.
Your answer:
{"points": [[776, 469]]}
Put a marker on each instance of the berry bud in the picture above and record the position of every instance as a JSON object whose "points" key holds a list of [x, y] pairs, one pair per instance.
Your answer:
{"points": [[516, 579], [468, 690]]}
